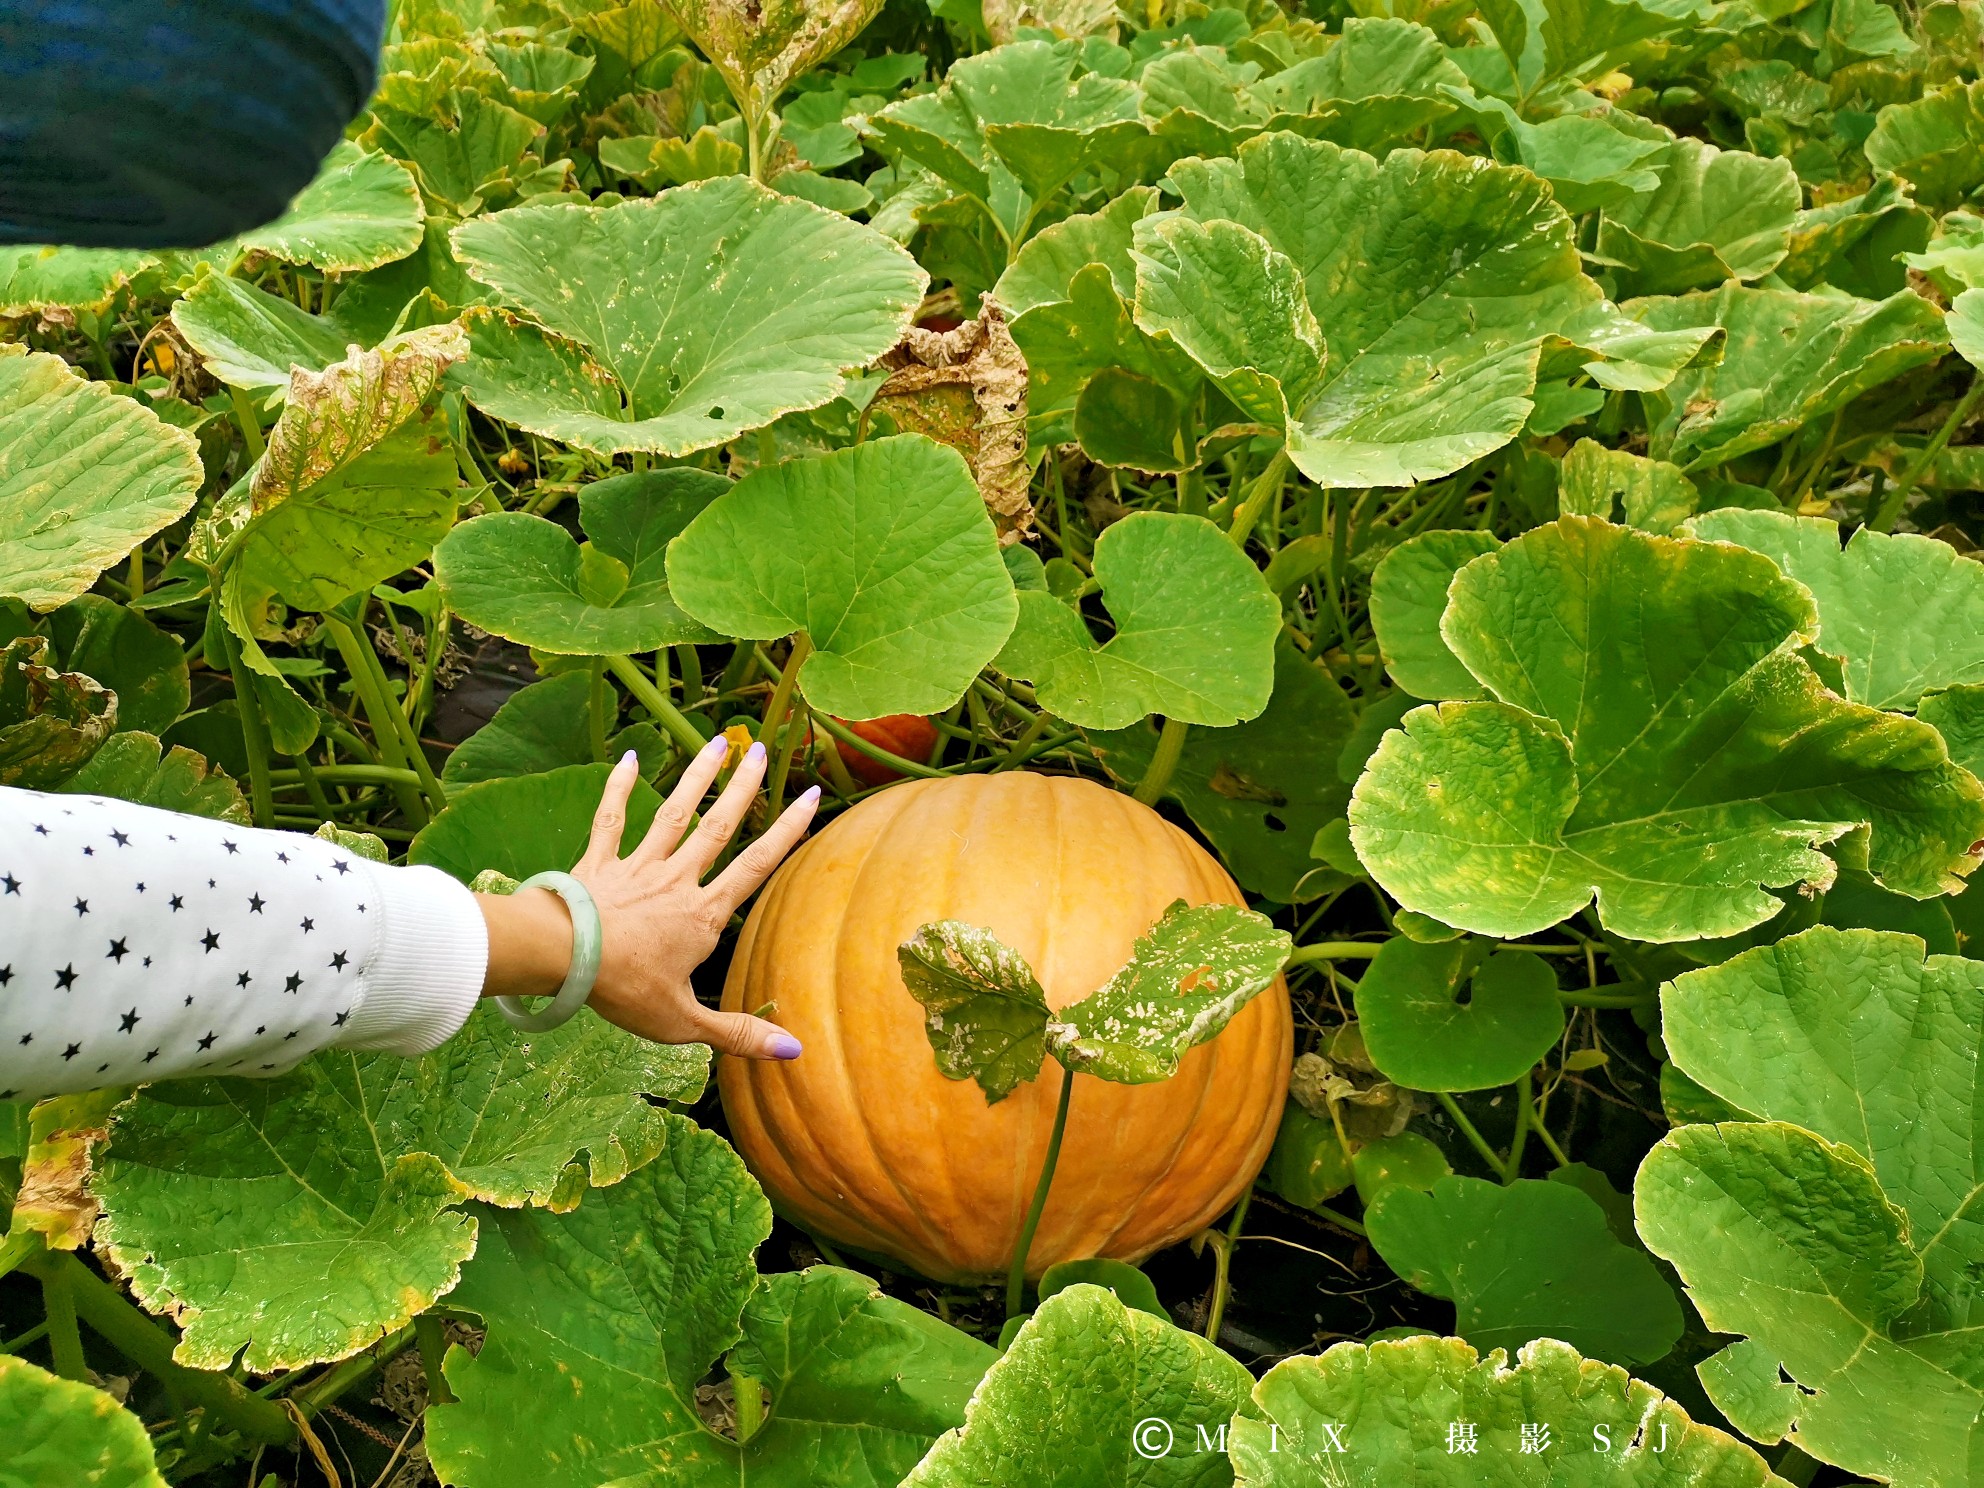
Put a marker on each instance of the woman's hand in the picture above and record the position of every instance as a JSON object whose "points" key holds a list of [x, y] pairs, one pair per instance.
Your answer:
{"points": [[660, 920]]}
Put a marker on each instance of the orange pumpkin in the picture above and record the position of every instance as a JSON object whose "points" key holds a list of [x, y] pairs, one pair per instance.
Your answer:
{"points": [[862, 1140]]}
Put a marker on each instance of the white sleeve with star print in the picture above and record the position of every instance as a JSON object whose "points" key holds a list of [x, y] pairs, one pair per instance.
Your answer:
{"points": [[138, 945]]}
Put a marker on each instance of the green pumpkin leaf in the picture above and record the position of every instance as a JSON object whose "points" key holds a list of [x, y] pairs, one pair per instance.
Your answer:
{"points": [[361, 211], [1787, 359], [545, 726], [882, 554], [60, 1433], [34, 278], [526, 824], [1406, 1160], [1904, 613], [1716, 215], [1186, 978], [1367, 1415], [1787, 1238], [51, 722], [1933, 143], [131, 767], [1408, 596], [1966, 326], [984, 1012], [358, 480], [761, 49], [1612, 659], [1652, 495], [523, 578], [1380, 84], [1589, 160], [1528, 1260], [1957, 713], [602, 1322], [1430, 350], [326, 1197], [467, 154], [706, 312], [1253, 789], [1195, 631], [1084, 1380], [1131, 1286], [1747, 1384], [1420, 1036], [85, 476], [251, 339], [1307, 1165], [122, 650]]}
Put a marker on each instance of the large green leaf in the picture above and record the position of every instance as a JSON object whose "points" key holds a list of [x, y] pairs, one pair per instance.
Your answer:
{"points": [[761, 48], [524, 825], [546, 726], [125, 652], [1788, 359], [1408, 596], [1652, 738], [1079, 1398], [63, 1434], [134, 767], [1527, 1260], [1382, 82], [1904, 613], [1548, 41], [603, 1322], [984, 1010], [85, 476], [51, 722], [251, 339], [357, 483], [1195, 631], [1432, 278], [361, 211], [1653, 495], [1375, 1415], [1254, 789], [34, 278], [677, 323], [1936, 143], [882, 554], [1787, 1238], [1422, 1036], [523, 578], [1716, 215], [302, 1218]]}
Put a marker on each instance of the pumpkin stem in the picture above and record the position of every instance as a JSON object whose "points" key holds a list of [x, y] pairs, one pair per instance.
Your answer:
{"points": [[1164, 761], [1016, 1278]]}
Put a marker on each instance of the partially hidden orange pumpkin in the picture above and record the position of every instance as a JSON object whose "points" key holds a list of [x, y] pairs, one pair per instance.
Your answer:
{"points": [[864, 1142]]}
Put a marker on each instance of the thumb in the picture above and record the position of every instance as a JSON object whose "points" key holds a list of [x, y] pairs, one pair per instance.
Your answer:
{"points": [[745, 1036]]}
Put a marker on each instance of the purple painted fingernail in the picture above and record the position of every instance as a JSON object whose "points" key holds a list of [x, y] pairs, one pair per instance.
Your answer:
{"points": [[808, 796], [715, 746], [784, 1046], [755, 755], [627, 759]]}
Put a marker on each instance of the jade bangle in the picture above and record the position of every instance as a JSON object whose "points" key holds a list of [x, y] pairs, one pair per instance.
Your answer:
{"points": [[586, 940]]}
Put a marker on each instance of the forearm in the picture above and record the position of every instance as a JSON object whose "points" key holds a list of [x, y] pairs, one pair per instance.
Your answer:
{"points": [[530, 943], [140, 945]]}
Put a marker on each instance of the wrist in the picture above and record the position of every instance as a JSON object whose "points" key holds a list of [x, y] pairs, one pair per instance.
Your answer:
{"points": [[530, 943]]}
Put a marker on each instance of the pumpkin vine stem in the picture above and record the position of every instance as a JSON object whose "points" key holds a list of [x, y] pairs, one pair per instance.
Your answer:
{"points": [[1474, 1137], [1016, 1278], [1164, 761]]}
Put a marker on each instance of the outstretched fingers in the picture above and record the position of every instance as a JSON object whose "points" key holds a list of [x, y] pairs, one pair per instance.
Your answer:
{"points": [[721, 821], [603, 847], [743, 1035], [673, 819], [754, 865]]}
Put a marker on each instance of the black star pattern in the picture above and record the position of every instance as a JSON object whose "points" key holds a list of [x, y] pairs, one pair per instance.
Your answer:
{"points": [[282, 857], [141, 888], [291, 1034], [72, 1051], [189, 1002], [230, 847], [177, 903], [342, 866], [254, 904], [292, 982], [338, 1021], [10, 883], [151, 1056], [243, 980], [65, 978], [148, 960], [120, 839], [208, 1041], [89, 852], [102, 1067], [210, 883], [308, 924], [338, 961], [6, 975], [117, 952], [210, 940], [82, 908], [129, 1021], [26, 1039], [263, 1029], [361, 909], [41, 829]]}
